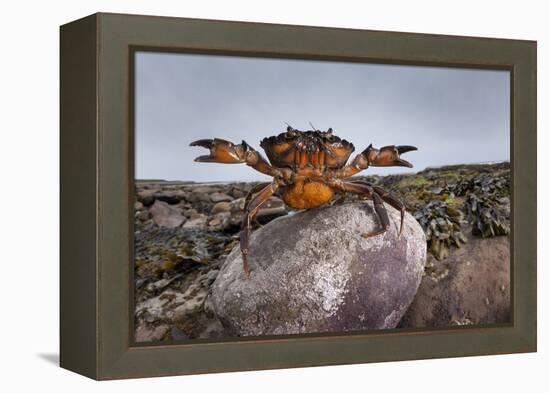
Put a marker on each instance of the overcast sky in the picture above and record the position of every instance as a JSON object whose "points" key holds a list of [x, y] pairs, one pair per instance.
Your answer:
{"points": [[452, 115]]}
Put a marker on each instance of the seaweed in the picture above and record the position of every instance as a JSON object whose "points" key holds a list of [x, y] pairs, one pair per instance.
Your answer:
{"points": [[486, 215], [485, 183], [442, 226]]}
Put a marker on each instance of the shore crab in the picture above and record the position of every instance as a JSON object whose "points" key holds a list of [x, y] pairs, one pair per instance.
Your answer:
{"points": [[308, 168]]}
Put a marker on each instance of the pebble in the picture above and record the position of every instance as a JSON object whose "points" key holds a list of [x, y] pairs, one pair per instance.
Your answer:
{"points": [[165, 215], [220, 207], [197, 222], [220, 197]]}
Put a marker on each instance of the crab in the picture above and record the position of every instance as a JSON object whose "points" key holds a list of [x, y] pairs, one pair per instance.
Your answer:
{"points": [[308, 169]]}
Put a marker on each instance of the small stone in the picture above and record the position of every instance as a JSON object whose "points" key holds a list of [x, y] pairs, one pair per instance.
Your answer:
{"points": [[169, 196], [220, 197], [205, 189], [165, 215], [195, 215], [198, 222], [181, 195], [138, 205], [147, 197], [189, 213], [236, 193], [220, 207], [237, 205], [196, 196]]}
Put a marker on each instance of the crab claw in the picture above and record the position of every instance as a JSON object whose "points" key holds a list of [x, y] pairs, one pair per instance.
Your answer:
{"points": [[221, 151], [388, 155]]}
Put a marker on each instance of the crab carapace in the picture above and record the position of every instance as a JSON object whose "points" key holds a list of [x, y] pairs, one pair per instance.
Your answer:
{"points": [[308, 168]]}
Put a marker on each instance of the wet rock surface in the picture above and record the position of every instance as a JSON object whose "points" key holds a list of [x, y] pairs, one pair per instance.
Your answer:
{"points": [[314, 272], [178, 259]]}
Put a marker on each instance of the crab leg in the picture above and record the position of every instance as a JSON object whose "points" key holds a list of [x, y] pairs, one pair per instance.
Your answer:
{"points": [[368, 191], [385, 156], [257, 188], [249, 213], [394, 202], [382, 214], [389, 199], [225, 152]]}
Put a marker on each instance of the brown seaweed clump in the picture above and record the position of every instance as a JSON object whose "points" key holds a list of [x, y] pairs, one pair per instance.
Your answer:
{"points": [[484, 184], [485, 214], [442, 226]]}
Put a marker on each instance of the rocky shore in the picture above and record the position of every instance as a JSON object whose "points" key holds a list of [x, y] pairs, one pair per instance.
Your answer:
{"points": [[185, 231]]}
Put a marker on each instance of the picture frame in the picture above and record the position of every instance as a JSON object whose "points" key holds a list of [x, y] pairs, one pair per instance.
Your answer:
{"points": [[97, 166]]}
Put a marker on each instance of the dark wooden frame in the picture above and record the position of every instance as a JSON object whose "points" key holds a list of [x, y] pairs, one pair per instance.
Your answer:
{"points": [[97, 194]]}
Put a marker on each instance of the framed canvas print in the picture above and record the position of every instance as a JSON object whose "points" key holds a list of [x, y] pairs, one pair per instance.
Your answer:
{"points": [[241, 196]]}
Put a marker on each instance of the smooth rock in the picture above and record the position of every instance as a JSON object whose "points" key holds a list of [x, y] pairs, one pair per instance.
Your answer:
{"points": [[196, 222], [469, 287], [220, 197], [221, 207], [313, 272], [196, 196], [195, 214], [205, 189], [169, 196], [191, 213], [236, 193], [146, 196], [165, 215]]}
